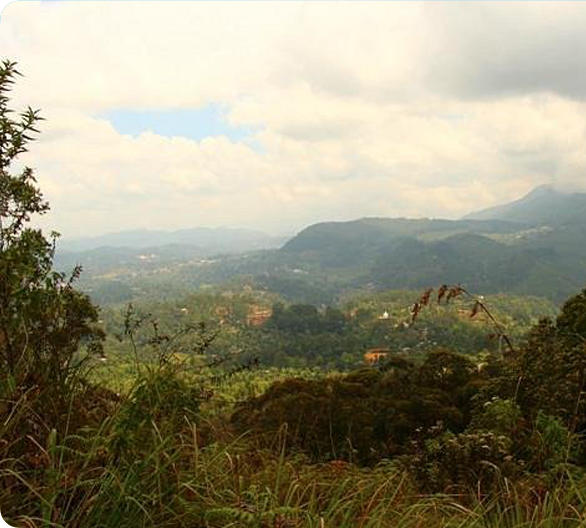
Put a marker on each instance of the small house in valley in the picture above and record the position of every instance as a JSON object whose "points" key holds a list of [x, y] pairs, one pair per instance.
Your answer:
{"points": [[257, 316], [375, 355]]}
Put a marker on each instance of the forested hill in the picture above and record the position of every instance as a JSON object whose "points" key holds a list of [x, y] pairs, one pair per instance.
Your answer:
{"points": [[533, 246], [536, 245], [373, 234]]}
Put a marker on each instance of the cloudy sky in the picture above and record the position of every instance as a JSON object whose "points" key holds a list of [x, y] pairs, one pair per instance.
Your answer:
{"points": [[276, 115]]}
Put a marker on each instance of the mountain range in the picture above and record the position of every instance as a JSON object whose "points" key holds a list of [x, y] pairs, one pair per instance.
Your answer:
{"points": [[535, 245], [149, 250], [208, 239]]}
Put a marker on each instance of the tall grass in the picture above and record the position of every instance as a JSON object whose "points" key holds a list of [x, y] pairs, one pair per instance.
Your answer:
{"points": [[158, 456], [175, 479]]}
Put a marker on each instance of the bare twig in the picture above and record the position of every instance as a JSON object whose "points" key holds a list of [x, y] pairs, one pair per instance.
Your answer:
{"points": [[447, 293]]}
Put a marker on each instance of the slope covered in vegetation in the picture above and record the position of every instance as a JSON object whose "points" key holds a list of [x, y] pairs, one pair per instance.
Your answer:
{"points": [[530, 247], [194, 439]]}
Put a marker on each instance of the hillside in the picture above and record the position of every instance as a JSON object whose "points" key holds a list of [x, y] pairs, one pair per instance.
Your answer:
{"points": [[532, 246], [544, 205], [344, 244]]}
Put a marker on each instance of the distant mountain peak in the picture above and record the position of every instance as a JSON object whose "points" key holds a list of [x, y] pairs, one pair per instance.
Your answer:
{"points": [[210, 239], [541, 190], [543, 205]]}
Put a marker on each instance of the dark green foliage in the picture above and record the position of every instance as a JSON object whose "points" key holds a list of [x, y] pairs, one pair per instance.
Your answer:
{"points": [[548, 373], [571, 323], [161, 402], [500, 443], [451, 462], [369, 414], [477, 261], [551, 378], [47, 328], [306, 319], [300, 335], [454, 424], [328, 419], [480, 456], [486, 256], [44, 321], [297, 290], [333, 337]]}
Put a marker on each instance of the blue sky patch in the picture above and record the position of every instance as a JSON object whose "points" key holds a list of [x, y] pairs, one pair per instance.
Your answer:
{"points": [[195, 124]]}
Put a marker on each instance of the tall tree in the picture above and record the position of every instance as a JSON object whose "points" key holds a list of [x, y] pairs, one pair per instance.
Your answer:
{"points": [[43, 319]]}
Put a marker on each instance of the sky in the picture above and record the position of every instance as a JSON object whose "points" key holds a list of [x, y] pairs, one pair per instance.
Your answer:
{"points": [[276, 115]]}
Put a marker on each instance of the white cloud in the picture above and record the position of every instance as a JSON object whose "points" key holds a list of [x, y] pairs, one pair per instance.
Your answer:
{"points": [[362, 109]]}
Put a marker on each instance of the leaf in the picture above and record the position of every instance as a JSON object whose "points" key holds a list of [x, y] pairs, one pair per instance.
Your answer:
{"points": [[441, 292], [425, 297], [415, 309], [454, 292]]}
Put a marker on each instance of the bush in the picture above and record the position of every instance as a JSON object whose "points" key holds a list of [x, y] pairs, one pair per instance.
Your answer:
{"points": [[47, 328], [367, 415], [475, 460]]}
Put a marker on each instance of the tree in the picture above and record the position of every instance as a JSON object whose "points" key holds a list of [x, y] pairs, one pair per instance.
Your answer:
{"points": [[571, 322], [43, 320]]}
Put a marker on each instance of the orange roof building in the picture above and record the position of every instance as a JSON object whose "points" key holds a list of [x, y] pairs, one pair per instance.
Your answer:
{"points": [[258, 316], [375, 355]]}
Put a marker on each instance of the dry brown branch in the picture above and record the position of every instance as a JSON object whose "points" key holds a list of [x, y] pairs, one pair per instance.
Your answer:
{"points": [[449, 292]]}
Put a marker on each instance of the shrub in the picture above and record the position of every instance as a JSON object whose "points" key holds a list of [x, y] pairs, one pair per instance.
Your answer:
{"points": [[45, 324]]}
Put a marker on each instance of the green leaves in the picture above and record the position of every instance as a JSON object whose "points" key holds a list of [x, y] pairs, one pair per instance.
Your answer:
{"points": [[571, 322], [44, 322]]}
